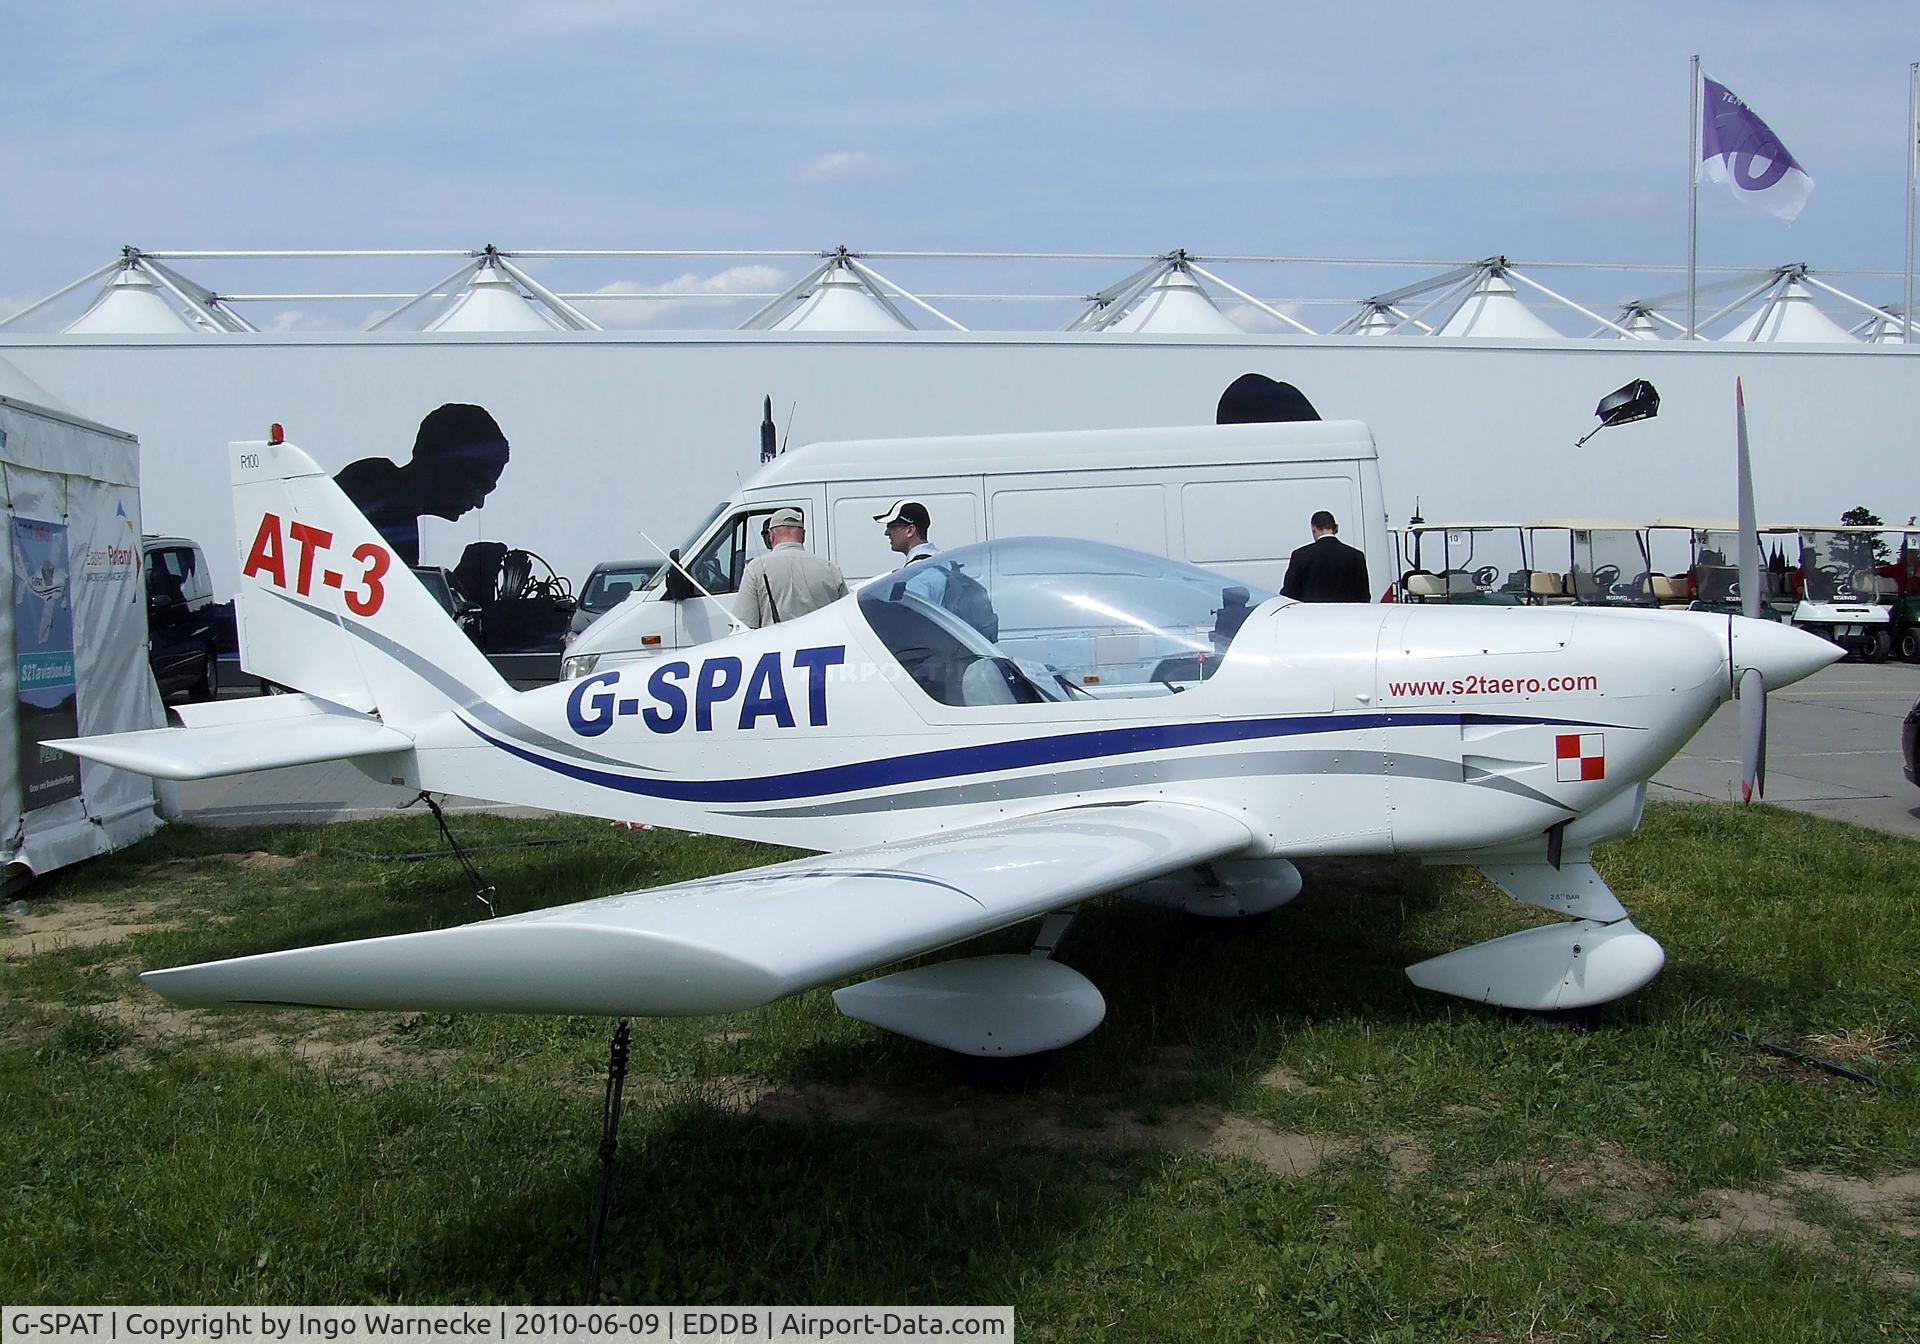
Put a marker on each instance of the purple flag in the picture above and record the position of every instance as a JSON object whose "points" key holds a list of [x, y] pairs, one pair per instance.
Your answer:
{"points": [[1739, 149]]}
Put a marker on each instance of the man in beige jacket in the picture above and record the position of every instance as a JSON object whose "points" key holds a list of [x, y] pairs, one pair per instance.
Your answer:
{"points": [[787, 581]]}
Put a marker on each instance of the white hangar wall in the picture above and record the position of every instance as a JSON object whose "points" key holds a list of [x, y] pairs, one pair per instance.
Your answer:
{"points": [[613, 433]]}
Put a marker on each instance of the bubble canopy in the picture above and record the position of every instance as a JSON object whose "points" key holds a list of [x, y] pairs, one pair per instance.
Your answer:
{"points": [[1030, 620]]}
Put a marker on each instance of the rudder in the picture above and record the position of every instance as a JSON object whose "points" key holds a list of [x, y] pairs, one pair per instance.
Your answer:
{"points": [[325, 606]]}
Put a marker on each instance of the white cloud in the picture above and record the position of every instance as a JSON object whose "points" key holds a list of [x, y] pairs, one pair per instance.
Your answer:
{"points": [[839, 165]]}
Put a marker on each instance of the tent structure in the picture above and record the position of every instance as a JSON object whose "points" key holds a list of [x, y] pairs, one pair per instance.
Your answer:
{"points": [[1884, 328], [490, 292], [1165, 297], [492, 301], [1493, 309], [1174, 302], [842, 293], [1479, 299], [1639, 322], [146, 297], [73, 635], [1788, 313]]}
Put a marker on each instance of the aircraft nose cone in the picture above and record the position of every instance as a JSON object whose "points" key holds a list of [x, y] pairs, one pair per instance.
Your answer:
{"points": [[1781, 653]]}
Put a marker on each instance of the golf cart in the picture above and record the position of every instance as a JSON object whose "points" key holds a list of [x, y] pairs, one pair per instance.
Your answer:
{"points": [[1842, 593], [1693, 563], [1483, 564], [1605, 564]]}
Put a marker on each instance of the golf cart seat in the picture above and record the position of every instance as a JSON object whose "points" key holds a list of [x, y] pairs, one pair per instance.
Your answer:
{"points": [[1669, 588], [1546, 583]]}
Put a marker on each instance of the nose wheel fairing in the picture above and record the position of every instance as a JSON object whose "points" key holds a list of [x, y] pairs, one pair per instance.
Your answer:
{"points": [[1596, 956]]}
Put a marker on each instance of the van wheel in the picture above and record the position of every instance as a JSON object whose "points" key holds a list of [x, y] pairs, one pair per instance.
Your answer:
{"points": [[208, 687]]}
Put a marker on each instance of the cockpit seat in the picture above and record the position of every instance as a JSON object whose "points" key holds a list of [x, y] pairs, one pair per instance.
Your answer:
{"points": [[985, 682]]}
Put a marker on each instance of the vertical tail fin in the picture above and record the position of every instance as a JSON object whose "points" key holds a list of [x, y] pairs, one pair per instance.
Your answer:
{"points": [[326, 607]]}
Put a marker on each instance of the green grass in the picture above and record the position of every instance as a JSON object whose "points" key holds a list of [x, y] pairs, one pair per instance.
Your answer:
{"points": [[311, 1157]]}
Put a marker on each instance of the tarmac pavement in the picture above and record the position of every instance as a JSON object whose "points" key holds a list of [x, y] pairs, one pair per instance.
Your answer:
{"points": [[1833, 749]]}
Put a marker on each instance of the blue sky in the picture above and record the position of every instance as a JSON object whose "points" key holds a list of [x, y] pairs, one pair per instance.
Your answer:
{"points": [[1539, 130]]}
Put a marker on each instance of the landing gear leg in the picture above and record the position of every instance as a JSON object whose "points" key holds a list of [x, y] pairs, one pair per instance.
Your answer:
{"points": [[609, 1144]]}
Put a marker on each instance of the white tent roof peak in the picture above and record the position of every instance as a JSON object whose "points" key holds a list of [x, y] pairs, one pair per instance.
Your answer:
{"points": [[1175, 303], [840, 301], [1789, 314], [1884, 328], [492, 301], [1640, 326], [1493, 310], [133, 305]]}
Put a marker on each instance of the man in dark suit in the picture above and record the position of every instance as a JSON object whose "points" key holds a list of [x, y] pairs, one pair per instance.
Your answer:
{"points": [[1327, 570]]}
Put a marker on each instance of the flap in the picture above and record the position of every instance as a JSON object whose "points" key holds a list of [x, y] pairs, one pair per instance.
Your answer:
{"points": [[727, 943]]}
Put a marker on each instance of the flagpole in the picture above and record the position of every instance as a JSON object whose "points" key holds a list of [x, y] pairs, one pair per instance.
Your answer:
{"points": [[1693, 188], [1913, 154]]}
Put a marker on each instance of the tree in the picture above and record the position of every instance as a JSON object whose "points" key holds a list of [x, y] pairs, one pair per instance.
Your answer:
{"points": [[1861, 516]]}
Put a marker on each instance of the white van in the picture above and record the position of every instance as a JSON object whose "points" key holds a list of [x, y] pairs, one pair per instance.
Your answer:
{"points": [[1234, 498]]}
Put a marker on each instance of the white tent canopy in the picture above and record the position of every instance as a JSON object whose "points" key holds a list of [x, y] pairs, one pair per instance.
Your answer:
{"points": [[1492, 309], [1789, 314], [132, 304], [841, 300], [1175, 303], [493, 302]]}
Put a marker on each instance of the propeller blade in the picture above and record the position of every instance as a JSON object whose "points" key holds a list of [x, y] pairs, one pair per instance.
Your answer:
{"points": [[1753, 735], [1748, 520]]}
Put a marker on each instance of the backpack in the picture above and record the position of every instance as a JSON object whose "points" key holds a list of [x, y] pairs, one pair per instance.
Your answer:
{"points": [[966, 597]]}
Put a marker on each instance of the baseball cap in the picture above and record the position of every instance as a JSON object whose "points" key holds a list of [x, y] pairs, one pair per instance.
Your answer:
{"points": [[906, 511], [787, 518]]}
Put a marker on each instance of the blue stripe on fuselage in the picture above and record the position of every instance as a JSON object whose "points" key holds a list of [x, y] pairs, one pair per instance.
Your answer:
{"points": [[992, 757]]}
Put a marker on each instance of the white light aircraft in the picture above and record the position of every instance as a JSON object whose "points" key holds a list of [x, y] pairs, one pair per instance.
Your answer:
{"points": [[984, 738]]}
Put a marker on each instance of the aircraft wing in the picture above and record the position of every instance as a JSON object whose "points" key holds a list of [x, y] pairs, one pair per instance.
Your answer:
{"points": [[236, 736], [723, 944]]}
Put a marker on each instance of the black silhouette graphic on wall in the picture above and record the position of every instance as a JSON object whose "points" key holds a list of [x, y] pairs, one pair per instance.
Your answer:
{"points": [[458, 456]]}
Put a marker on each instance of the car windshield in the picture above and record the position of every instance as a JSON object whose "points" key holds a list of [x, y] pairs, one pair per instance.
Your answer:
{"points": [[1024, 620], [608, 586]]}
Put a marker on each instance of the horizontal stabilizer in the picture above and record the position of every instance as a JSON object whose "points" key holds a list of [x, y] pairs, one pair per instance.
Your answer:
{"points": [[723, 944], [230, 739]]}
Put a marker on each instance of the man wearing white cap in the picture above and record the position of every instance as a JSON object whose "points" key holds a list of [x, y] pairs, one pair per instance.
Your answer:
{"points": [[907, 523], [787, 581]]}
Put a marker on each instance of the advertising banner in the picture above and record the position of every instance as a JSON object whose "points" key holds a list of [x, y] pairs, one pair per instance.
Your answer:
{"points": [[46, 688]]}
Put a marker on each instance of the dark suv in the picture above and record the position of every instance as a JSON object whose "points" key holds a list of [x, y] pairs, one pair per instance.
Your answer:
{"points": [[183, 620]]}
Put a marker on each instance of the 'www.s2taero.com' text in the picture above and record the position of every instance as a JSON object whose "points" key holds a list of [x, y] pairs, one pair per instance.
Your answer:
{"points": [[1479, 685]]}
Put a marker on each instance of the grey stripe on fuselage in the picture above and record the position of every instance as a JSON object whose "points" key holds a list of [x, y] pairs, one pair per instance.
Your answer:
{"points": [[1126, 774], [464, 697]]}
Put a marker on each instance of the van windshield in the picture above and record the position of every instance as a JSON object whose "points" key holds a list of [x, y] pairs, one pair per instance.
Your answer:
{"points": [[686, 547], [1025, 620]]}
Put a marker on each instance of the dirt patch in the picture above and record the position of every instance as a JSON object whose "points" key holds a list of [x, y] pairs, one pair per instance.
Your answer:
{"points": [[28, 935], [1868, 1045], [1888, 1204], [1035, 1120], [1733, 1213], [370, 1055], [253, 860], [1285, 1080]]}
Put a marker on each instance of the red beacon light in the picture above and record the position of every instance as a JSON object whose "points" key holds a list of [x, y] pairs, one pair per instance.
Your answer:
{"points": [[275, 434]]}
